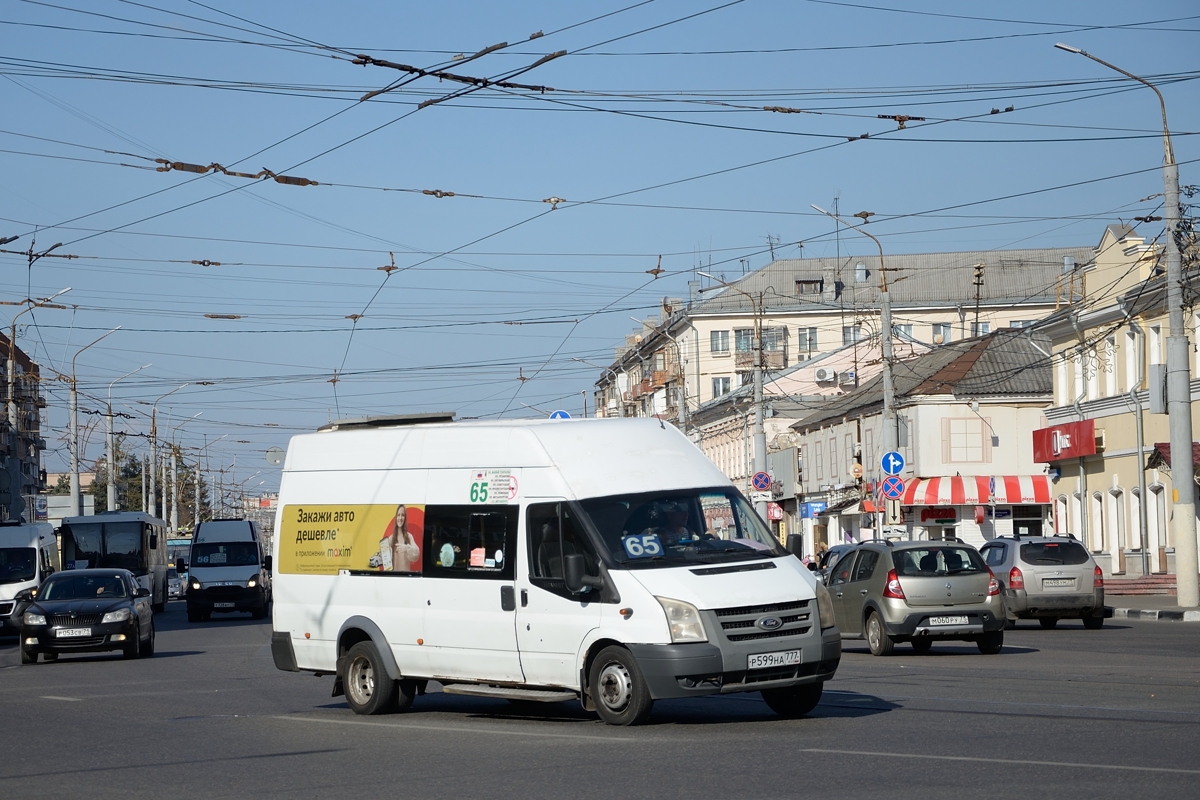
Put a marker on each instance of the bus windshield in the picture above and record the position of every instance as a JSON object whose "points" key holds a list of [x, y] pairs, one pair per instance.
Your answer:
{"points": [[110, 544], [17, 564], [669, 529]]}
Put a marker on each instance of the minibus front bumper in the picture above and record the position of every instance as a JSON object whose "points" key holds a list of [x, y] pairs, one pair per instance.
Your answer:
{"points": [[218, 599], [690, 670]]}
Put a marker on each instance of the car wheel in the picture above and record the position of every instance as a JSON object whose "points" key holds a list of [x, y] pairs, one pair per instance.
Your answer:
{"points": [[877, 639], [28, 657], [990, 643], [133, 650], [793, 701], [148, 645], [260, 612], [369, 689], [618, 689], [1048, 622], [1093, 623], [922, 645]]}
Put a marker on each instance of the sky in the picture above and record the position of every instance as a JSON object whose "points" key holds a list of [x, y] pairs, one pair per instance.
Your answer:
{"points": [[648, 135]]}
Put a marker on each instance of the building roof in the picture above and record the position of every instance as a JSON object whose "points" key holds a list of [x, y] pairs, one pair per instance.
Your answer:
{"points": [[914, 280], [1000, 364]]}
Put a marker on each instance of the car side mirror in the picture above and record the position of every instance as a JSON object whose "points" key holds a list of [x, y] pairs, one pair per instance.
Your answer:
{"points": [[24, 594], [575, 573], [267, 563], [181, 565], [142, 592]]}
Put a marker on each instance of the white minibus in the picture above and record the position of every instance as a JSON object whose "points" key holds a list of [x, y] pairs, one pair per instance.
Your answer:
{"points": [[28, 552], [601, 560]]}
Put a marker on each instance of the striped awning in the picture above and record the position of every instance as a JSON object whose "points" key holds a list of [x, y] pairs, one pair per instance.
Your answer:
{"points": [[974, 490]]}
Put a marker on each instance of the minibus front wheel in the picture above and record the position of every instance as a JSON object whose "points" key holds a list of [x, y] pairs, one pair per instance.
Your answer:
{"points": [[619, 690]]}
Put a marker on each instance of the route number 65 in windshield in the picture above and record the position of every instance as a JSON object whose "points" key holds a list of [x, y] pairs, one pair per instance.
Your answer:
{"points": [[642, 545]]}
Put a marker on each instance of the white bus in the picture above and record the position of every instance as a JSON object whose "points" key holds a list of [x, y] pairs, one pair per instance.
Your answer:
{"points": [[604, 561], [132, 540]]}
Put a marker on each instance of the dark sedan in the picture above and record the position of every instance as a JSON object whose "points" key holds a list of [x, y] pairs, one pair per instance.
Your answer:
{"points": [[87, 611]]}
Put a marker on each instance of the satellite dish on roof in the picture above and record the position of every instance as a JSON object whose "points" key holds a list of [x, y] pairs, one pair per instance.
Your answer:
{"points": [[275, 456]]}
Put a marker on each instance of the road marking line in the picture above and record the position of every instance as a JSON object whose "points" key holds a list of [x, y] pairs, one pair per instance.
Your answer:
{"points": [[1005, 761], [449, 729], [65, 699]]}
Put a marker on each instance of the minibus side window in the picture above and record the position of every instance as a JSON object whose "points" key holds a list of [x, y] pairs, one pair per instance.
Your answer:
{"points": [[470, 542], [554, 531]]}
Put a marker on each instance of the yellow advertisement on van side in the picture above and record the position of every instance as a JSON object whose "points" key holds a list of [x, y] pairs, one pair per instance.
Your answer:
{"points": [[323, 539]]}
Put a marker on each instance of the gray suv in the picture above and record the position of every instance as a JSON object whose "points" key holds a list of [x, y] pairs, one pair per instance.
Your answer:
{"points": [[917, 592], [1047, 578]]}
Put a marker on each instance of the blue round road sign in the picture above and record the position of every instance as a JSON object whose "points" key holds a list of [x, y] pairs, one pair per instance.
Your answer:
{"points": [[560, 414], [892, 463], [893, 487], [762, 481]]}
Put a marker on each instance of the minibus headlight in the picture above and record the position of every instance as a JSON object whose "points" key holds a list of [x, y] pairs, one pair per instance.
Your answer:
{"points": [[34, 619], [825, 607], [250, 584], [120, 615], [684, 621], [195, 584]]}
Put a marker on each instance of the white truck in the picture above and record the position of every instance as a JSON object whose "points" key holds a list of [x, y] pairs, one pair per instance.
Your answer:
{"points": [[227, 570], [28, 552], [603, 561]]}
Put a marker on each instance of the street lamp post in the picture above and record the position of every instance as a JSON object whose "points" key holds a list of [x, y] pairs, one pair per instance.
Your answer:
{"points": [[175, 474], [111, 505], [1179, 392], [760, 434], [616, 384], [153, 460], [75, 495]]}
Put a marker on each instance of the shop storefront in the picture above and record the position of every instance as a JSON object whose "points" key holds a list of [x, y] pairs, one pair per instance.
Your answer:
{"points": [[977, 508]]}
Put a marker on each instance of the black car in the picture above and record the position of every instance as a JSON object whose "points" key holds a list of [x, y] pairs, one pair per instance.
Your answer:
{"points": [[87, 611]]}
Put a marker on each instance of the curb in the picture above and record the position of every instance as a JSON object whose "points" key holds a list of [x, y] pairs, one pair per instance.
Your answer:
{"points": [[1164, 615]]}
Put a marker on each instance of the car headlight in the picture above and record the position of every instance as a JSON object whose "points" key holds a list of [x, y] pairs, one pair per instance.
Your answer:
{"points": [[34, 619], [250, 584], [684, 621], [825, 607], [120, 615]]}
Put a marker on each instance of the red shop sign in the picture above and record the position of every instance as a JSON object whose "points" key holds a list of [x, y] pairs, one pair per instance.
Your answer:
{"points": [[939, 514], [1068, 440]]}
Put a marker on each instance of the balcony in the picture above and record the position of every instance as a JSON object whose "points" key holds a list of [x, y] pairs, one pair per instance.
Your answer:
{"points": [[772, 359]]}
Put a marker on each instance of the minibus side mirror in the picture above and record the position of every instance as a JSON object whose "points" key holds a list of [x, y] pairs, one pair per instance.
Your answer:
{"points": [[181, 565], [575, 573], [154, 541], [267, 563]]}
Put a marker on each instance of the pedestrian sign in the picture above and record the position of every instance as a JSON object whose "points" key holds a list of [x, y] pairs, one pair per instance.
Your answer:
{"points": [[892, 463], [762, 481], [893, 487]]}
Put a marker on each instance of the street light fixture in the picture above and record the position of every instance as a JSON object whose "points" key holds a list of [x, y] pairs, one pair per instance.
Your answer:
{"points": [[75, 495], [1179, 396], [175, 474], [760, 434], [111, 505]]}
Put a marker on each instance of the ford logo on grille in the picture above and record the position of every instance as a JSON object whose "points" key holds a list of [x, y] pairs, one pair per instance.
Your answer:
{"points": [[769, 623]]}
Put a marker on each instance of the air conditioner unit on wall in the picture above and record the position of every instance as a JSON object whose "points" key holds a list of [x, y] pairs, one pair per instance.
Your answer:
{"points": [[848, 376], [824, 375]]}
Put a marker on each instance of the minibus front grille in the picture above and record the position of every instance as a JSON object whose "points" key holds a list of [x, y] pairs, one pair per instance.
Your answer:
{"points": [[745, 637], [774, 608], [5, 609]]}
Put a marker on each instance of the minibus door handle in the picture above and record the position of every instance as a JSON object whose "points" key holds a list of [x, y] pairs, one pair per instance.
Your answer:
{"points": [[524, 598], [508, 598]]}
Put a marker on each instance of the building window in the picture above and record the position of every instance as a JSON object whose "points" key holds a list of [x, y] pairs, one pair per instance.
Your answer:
{"points": [[720, 386], [745, 378], [1021, 323], [903, 331], [659, 361], [1156, 344], [1061, 523], [851, 334], [808, 287], [849, 454], [743, 340], [942, 333], [981, 328], [818, 468], [773, 339], [833, 459], [1133, 359], [1060, 379], [718, 342], [1110, 366], [806, 339], [963, 440]]}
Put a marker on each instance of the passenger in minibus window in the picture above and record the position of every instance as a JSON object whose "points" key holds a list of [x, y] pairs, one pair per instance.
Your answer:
{"points": [[398, 550]]}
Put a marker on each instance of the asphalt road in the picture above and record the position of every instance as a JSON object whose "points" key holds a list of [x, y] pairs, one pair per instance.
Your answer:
{"points": [[1059, 714]]}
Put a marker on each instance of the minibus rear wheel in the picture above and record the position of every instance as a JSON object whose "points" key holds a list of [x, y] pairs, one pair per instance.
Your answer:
{"points": [[618, 688], [369, 689]]}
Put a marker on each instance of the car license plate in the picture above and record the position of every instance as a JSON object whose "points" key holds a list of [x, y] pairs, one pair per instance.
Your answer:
{"points": [[781, 659], [223, 605], [67, 633], [960, 620], [1049, 582]]}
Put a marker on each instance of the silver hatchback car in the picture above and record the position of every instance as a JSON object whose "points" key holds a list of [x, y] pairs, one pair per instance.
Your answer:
{"points": [[1047, 578], [917, 592]]}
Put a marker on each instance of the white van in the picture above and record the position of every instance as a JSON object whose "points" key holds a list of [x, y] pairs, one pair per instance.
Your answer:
{"points": [[602, 560], [27, 554], [227, 571]]}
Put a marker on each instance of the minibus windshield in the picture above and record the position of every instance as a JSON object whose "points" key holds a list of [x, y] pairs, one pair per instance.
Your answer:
{"points": [[671, 528], [17, 564], [225, 554]]}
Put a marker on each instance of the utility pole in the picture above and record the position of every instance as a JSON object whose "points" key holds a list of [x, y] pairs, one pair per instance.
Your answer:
{"points": [[144, 506], [978, 292], [152, 504], [74, 509], [174, 492], [196, 509], [760, 434], [1179, 390]]}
